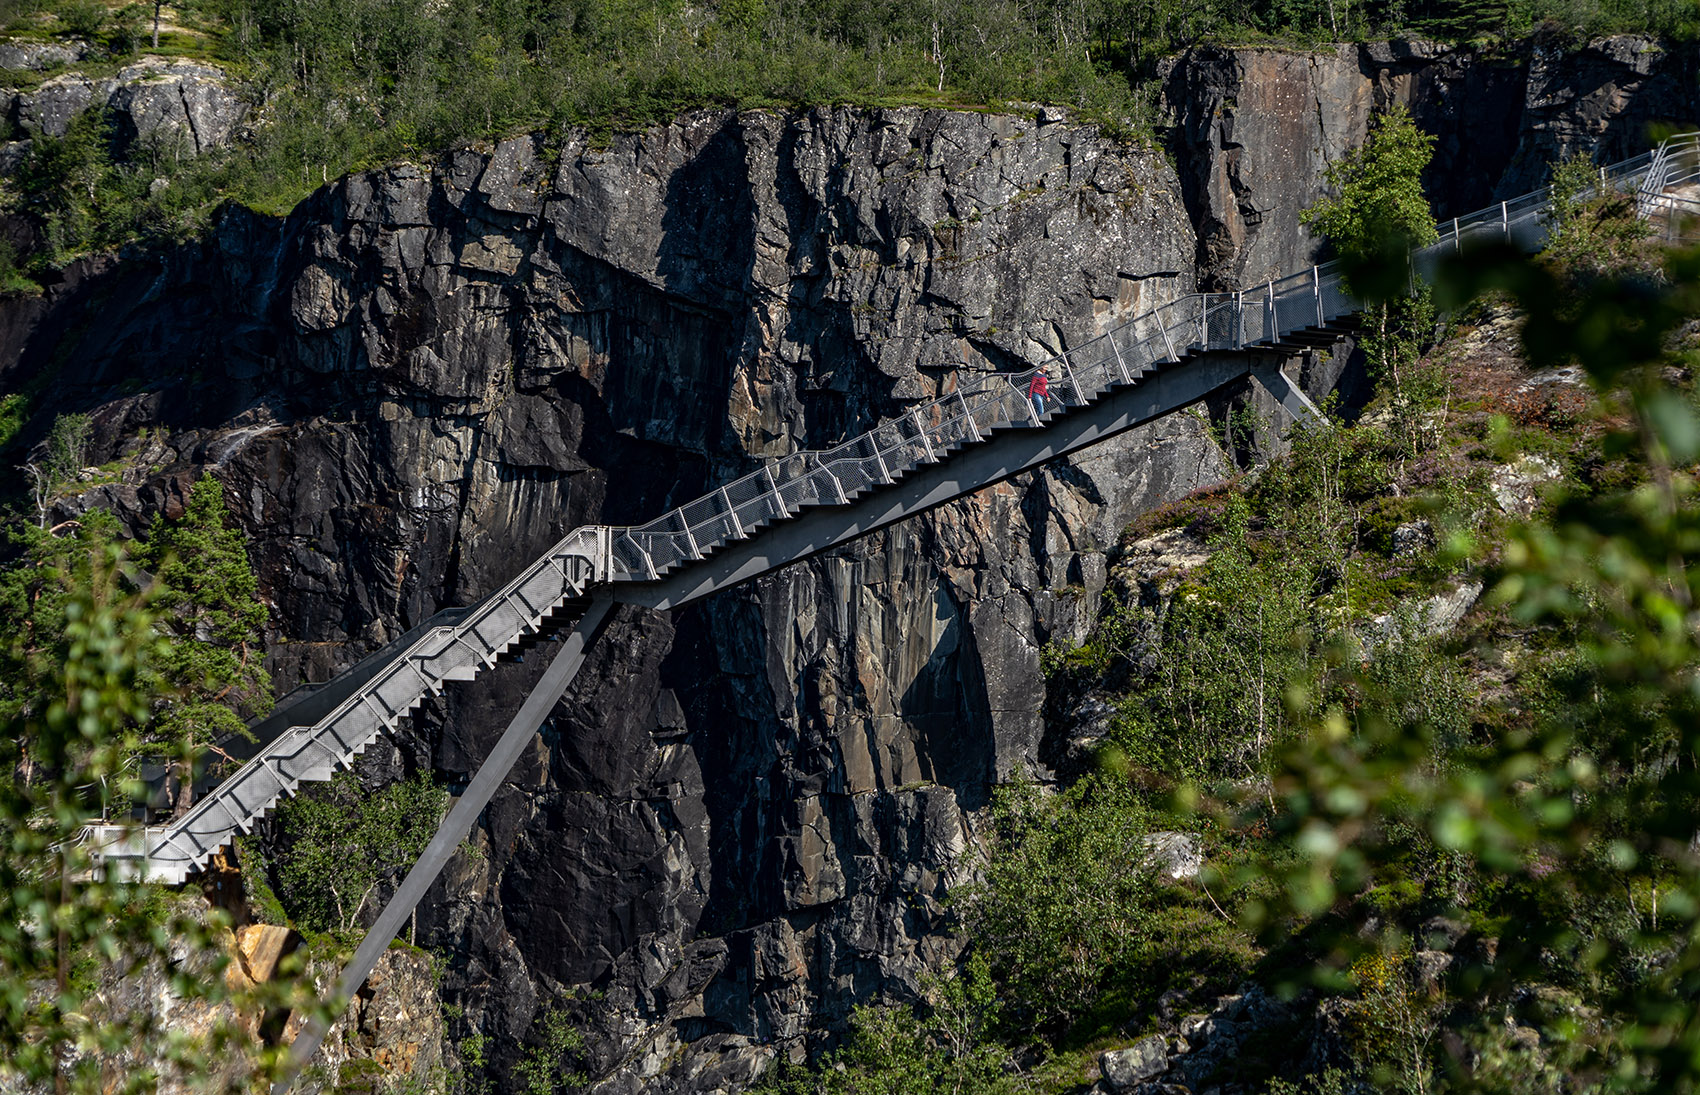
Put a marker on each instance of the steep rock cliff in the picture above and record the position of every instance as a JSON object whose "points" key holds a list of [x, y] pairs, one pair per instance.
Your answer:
{"points": [[743, 820]]}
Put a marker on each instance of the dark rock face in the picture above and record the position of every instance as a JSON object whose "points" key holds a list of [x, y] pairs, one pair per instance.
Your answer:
{"points": [[746, 816], [1255, 129]]}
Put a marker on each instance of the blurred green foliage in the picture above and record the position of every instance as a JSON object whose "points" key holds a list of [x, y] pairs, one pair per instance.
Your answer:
{"points": [[82, 670]]}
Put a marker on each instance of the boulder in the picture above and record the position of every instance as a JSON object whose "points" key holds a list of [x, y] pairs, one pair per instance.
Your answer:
{"points": [[51, 106], [1124, 1069], [187, 105], [1410, 539], [177, 101], [1427, 618], [1175, 856], [261, 946], [1516, 486]]}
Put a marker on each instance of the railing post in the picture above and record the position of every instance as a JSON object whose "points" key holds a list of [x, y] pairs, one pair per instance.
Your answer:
{"points": [[1079, 397], [1121, 363], [926, 442], [1316, 291], [879, 458], [778, 499], [1457, 244], [732, 512], [1271, 333], [1239, 320], [837, 487], [1504, 222], [684, 523], [967, 415], [1027, 402], [1168, 343], [1204, 322]]}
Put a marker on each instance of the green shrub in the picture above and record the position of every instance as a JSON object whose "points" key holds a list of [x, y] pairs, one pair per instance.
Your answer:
{"points": [[338, 843]]}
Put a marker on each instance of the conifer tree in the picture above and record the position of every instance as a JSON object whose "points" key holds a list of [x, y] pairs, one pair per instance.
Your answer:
{"points": [[210, 609]]}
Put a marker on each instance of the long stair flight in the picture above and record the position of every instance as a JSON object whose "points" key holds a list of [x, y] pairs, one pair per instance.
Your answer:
{"points": [[984, 431]]}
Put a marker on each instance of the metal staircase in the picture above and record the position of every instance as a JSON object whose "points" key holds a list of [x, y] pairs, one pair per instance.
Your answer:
{"points": [[1156, 354]]}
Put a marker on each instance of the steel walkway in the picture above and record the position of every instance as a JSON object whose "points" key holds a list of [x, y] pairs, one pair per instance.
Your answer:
{"points": [[984, 431]]}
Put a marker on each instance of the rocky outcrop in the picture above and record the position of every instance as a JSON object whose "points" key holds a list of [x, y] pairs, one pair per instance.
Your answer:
{"points": [[187, 108], [392, 1036], [1255, 129], [20, 53]]}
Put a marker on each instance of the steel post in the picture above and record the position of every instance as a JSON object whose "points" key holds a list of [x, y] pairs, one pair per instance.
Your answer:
{"points": [[926, 442], [1079, 396], [732, 512]]}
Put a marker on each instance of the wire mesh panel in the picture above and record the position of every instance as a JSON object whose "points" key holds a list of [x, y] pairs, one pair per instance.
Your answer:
{"points": [[895, 445], [1121, 349], [494, 624], [710, 523], [953, 427], [1152, 332], [1336, 301], [446, 657], [1222, 322], [853, 470], [542, 588], [1184, 324], [399, 688], [1295, 303], [809, 489], [990, 410], [1529, 230], [1106, 364], [632, 558], [752, 500], [1066, 386], [1253, 317]]}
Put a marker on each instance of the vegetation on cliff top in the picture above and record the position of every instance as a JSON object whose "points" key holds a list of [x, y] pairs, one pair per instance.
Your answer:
{"points": [[344, 84]]}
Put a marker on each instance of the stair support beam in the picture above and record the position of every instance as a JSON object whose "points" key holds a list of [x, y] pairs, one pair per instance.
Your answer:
{"points": [[490, 776]]}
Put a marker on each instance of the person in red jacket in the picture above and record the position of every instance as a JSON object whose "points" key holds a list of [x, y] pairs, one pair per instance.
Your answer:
{"points": [[1037, 389]]}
